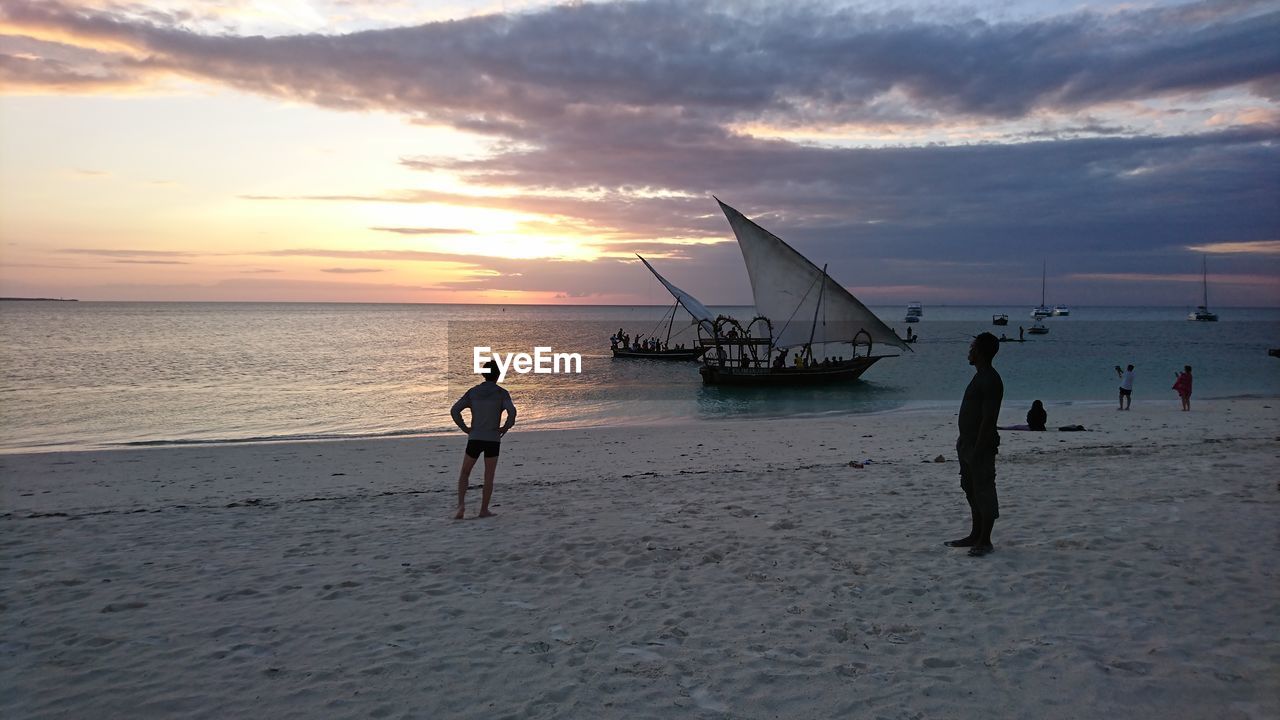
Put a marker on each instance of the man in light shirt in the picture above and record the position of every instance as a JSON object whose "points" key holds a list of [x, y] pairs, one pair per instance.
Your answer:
{"points": [[1126, 387], [487, 401]]}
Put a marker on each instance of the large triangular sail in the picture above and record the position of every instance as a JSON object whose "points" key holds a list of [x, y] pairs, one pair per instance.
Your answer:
{"points": [[792, 292], [689, 302]]}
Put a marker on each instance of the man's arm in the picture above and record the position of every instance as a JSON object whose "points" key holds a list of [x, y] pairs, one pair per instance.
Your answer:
{"points": [[992, 396], [510, 407], [456, 410]]}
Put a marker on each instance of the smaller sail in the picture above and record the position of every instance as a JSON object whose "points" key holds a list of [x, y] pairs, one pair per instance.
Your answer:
{"points": [[689, 302]]}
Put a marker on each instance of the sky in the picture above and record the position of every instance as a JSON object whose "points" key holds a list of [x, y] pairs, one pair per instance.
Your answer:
{"points": [[524, 152]]}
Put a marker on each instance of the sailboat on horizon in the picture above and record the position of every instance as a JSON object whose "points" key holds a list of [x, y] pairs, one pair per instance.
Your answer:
{"points": [[808, 328], [1202, 313]]}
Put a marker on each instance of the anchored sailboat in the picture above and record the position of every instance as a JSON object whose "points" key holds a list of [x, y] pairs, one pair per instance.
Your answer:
{"points": [[664, 351], [808, 328], [1202, 313], [1043, 311]]}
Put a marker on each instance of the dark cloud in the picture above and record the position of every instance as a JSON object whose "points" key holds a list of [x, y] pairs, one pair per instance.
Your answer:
{"points": [[696, 64]]}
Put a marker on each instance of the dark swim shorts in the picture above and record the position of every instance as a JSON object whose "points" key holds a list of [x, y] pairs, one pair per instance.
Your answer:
{"points": [[1125, 393], [488, 447], [978, 480]]}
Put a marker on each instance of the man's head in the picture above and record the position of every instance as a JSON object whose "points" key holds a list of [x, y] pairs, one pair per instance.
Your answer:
{"points": [[1130, 367], [983, 348], [491, 371], [1187, 368]]}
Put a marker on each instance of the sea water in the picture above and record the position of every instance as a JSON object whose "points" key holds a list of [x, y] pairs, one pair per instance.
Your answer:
{"points": [[90, 374]]}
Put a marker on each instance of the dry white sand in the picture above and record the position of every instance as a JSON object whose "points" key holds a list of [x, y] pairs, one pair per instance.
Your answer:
{"points": [[731, 569]]}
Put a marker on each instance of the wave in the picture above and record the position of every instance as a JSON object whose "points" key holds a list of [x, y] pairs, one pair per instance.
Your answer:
{"points": [[280, 438]]}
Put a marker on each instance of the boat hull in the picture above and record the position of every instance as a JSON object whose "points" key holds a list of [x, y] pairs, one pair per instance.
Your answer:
{"points": [[691, 354], [758, 377], [1000, 320]]}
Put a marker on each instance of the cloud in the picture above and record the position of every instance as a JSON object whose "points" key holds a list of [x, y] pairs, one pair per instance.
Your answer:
{"points": [[117, 253], [1256, 247], [151, 262], [691, 66], [350, 271], [621, 129], [424, 230]]}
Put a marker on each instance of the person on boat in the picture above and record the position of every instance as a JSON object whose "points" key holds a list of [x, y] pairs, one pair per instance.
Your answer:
{"points": [[1003, 338], [978, 444], [1126, 387], [1183, 386], [487, 401], [1020, 331], [780, 362]]}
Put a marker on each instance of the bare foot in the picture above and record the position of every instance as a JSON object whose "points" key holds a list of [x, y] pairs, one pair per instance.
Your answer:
{"points": [[486, 513], [461, 509]]}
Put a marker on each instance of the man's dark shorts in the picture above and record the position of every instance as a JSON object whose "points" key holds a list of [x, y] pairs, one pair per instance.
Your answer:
{"points": [[1125, 393], [978, 480], [488, 447]]}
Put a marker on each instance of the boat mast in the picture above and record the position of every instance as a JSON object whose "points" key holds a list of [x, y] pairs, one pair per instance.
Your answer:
{"points": [[814, 328], [1043, 267], [1205, 268], [672, 321]]}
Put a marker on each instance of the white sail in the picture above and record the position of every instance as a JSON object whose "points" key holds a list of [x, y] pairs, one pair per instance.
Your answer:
{"points": [[788, 289], [689, 302]]}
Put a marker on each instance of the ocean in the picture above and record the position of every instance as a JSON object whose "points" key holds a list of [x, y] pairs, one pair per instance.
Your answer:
{"points": [[78, 375]]}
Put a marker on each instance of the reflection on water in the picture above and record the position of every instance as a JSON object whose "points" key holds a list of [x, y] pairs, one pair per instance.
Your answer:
{"points": [[85, 374]]}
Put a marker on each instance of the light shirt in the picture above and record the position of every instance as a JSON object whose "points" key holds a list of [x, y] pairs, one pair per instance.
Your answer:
{"points": [[487, 402], [1127, 382]]}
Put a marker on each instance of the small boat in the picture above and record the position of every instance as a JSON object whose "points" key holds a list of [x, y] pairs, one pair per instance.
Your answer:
{"points": [[1274, 352], [1061, 311], [915, 312], [810, 309], [1042, 311], [1000, 319], [692, 305], [669, 354], [1202, 313], [1037, 328]]}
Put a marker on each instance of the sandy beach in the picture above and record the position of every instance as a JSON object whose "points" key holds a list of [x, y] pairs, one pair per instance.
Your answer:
{"points": [[731, 569]]}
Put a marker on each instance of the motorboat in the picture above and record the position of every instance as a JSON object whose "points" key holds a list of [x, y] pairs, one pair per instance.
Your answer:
{"points": [[915, 312]]}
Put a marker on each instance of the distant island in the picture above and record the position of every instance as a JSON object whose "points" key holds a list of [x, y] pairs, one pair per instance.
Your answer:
{"points": [[42, 299]]}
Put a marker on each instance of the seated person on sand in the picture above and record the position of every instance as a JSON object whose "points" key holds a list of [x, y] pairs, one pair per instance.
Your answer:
{"points": [[1036, 418]]}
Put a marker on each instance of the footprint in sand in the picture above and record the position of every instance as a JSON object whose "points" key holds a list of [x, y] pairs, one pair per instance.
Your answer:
{"points": [[118, 607]]}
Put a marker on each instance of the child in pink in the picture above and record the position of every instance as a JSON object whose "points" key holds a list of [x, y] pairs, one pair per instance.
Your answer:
{"points": [[1183, 387]]}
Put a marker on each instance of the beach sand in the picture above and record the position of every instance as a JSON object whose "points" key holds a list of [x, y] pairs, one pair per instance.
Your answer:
{"points": [[736, 569]]}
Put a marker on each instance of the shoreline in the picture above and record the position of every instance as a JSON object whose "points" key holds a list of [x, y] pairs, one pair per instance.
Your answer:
{"points": [[908, 407]]}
